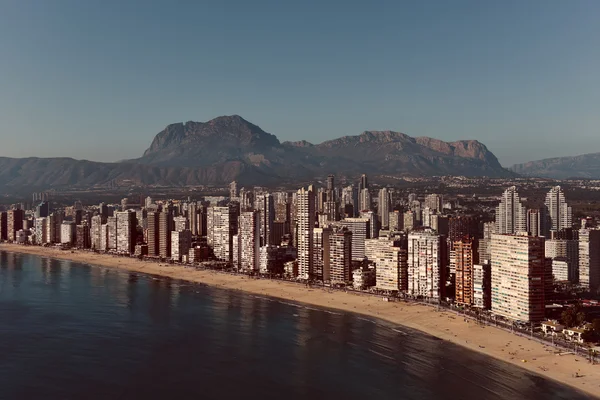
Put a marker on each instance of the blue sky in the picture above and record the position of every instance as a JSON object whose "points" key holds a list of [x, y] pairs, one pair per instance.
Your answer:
{"points": [[98, 79]]}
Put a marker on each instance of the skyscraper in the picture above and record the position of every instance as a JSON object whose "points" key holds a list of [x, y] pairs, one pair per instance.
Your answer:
{"points": [[126, 231], [305, 213], [518, 273], [364, 184], [249, 240], [390, 258], [181, 242], [220, 230], [426, 264], [511, 215], [331, 188], [360, 228], [321, 253], [589, 259], [466, 256], [364, 200], [383, 208], [434, 202], [266, 206], [535, 222], [14, 223], [560, 215], [165, 227], [340, 256]]}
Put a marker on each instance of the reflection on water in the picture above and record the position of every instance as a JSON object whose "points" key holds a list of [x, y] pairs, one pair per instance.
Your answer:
{"points": [[73, 331]]}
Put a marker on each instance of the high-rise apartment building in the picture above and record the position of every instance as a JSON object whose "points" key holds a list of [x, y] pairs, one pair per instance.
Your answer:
{"points": [[180, 223], [383, 208], [14, 223], [67, 233], [396, 221], [321, 254], [3, 225], [433, 202], [95, 232], [410, 220], [426, 264], [373, 223], [305, 213], [535, 222], [111, 232], [559, 214], [266, 206], [589, 259], [518, 274], [221, 226], [181, 242], [249, 240], [566, 251], [153, 235], [364, 200], [41, 230], [340, 256], [126, 231], [165, 227], [391, 262], [360, 228], [511, 215], [482, 285], [462, 226], [466, 255]]}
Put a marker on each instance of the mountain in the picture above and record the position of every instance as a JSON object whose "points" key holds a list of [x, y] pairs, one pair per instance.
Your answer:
{"points": [[230, 148], [583, 166], [224, 140]]}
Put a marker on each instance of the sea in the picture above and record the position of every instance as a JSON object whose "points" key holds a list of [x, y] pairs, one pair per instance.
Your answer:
{"points": [[77, 331]]}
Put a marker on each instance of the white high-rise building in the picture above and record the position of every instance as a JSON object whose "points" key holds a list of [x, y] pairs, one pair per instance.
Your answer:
{"points": [[589, 259], [426, 264], [360, 228], [560, 215], [511, 215], [364, 200], [181, 241], [434, 202], [390, 263], [67, 232], [340, 256], [266, 206], [518, 269], [249, 240], [305, 214], [321, 255], [383, 208], [126, 231], [567, 251], [95, 232], [219, 232]]}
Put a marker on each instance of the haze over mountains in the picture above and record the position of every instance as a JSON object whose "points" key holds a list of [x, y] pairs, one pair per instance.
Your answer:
{"points": [[231, 148], [583, 166]]}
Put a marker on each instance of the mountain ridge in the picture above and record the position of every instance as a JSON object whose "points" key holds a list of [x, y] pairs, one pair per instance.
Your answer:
{"points": [[230, 148], [585, 166]]}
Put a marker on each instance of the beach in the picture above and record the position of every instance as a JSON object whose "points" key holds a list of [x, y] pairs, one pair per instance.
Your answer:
{"points": [[521, 351]]}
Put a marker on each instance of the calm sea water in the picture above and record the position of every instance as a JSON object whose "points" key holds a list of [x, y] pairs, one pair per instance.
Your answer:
{"points": [[73, 331]]}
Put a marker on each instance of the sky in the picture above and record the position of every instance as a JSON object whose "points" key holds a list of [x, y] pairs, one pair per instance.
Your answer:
{"points": [[98, 80]]}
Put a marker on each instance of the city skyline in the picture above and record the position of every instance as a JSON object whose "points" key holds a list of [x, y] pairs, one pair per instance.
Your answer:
{"points": [[445, 71]]}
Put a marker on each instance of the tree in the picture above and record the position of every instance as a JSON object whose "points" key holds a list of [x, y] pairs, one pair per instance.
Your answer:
{"points": [[580, 318], [596, 325], [567, 318]]}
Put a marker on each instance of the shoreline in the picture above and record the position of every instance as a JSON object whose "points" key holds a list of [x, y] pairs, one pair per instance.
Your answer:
{"points": [[539, 359]]}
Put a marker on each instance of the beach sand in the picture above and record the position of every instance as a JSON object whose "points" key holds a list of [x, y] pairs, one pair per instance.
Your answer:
{"points": [[539, 358]]}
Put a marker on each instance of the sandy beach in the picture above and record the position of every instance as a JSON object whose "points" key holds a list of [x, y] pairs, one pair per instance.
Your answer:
{"points": [[521, 351]]}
